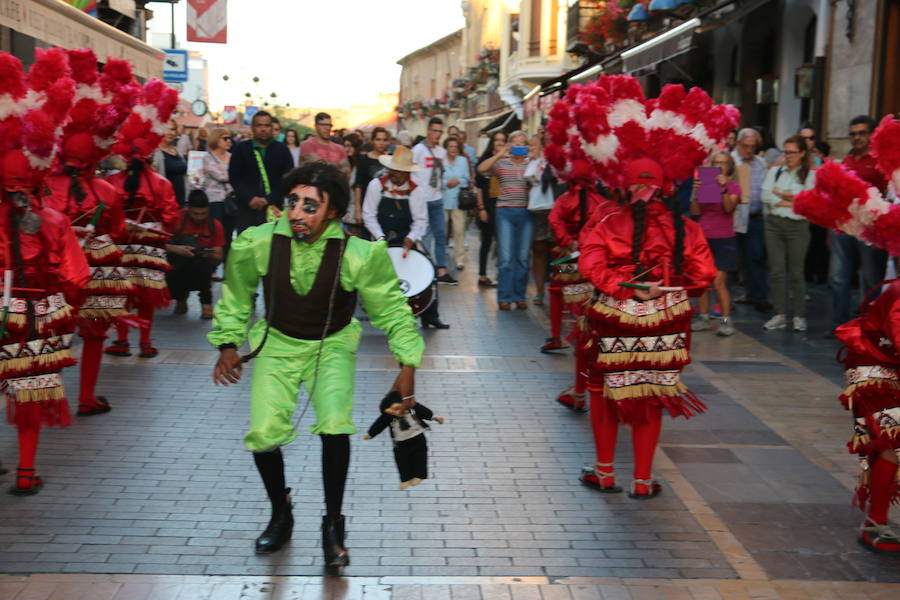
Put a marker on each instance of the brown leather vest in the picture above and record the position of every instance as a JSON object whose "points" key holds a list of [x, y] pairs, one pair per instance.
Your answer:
{"points": [[303, 317]]}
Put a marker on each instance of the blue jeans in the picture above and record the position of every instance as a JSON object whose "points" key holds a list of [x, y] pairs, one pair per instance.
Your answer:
{"points": [[846, 253], [752, 247], [515, 226], [436, 239]]}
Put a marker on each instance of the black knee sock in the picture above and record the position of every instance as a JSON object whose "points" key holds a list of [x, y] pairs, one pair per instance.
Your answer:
{"points": [[271, 469], [335, 462]]}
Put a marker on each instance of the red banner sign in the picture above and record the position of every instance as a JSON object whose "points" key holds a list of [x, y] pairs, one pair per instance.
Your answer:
{"points": [[207, 21]]}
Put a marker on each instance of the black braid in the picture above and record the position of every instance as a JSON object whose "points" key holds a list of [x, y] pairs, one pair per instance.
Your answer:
{"points": [[582, 206], [638, 215], [133, 181], [75, 188], [678, 221]]}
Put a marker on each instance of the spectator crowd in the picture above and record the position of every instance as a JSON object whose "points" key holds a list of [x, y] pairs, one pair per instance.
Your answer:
{"points": [[742, 199]]}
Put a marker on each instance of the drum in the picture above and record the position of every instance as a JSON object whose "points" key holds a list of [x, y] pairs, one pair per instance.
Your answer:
{"points": [[416, 274]]}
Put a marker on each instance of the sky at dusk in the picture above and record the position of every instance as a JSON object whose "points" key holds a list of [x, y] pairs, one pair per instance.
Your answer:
{"points": [[313, 53]]}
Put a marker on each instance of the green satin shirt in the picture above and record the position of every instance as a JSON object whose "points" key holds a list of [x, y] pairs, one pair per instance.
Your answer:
{"points": [[366, 269]]}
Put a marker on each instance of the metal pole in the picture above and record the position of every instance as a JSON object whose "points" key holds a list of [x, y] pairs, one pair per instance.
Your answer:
{"points": [[172, 6]]}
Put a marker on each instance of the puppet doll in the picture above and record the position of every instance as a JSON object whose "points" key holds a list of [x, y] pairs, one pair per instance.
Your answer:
{"points": [[408, 429]]}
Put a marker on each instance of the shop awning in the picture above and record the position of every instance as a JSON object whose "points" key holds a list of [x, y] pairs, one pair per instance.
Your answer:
{"points": [[506, 122], [60, 24], [719, 18], [665, 46]]}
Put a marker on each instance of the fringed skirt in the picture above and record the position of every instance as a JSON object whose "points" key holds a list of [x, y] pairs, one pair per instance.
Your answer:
{"points": [[31, 357], [145, 259], [109, 289], [640, 349], [576, 290], [873, 396]]}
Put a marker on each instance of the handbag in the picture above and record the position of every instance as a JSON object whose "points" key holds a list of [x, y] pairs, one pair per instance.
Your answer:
{"points": [[230, 204], [538, 199], [467, 199]]}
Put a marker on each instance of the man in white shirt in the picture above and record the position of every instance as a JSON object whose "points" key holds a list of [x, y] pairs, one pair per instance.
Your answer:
{"points": [[752, 244], [394, 210], [431, 157]]}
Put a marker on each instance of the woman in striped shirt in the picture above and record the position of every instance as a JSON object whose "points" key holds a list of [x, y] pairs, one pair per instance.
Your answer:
{"points": [[515, 224]]}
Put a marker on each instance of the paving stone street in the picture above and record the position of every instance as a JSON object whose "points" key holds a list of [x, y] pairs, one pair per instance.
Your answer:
{"points": [[159, 499]]}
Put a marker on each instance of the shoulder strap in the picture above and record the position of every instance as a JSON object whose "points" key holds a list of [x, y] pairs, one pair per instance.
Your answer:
{"points": [[262, 172]]}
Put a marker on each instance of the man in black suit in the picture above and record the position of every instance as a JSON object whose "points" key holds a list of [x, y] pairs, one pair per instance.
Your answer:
{"points": [[255, 172]]}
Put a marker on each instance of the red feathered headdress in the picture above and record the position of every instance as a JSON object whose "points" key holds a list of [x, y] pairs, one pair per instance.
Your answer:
{"points": [[844, 202], [102, 103], [886, 149], [145, 127], [613, 123], [32, 122], [563, 150]]}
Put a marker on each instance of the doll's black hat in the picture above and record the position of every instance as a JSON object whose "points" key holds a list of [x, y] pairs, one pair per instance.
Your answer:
{"points": [[391, 398]]}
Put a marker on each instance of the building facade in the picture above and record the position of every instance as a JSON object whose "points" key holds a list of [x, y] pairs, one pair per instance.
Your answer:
{"points": [[427, 84], [29, 24]]}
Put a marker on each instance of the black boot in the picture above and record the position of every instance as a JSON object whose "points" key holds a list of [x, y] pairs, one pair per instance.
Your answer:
{"points": [[333, 542], [280, 529]]}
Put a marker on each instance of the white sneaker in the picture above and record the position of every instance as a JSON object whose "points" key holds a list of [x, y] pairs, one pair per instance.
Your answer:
{"points": [[799, 324], [776, 322], [726, 328], [450, 244], [701, 323]]}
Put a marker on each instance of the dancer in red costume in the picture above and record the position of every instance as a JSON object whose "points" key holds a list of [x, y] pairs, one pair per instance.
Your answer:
{"points": [[94, 208], [44, 268], [644, 260], [151, 211], [569, 290], [844, 202]]}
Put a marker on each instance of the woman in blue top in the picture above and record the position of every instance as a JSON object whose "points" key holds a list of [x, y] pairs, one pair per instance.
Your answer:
{"points": [[456, 177]]}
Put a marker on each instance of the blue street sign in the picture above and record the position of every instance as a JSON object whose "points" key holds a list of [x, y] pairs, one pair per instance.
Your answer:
{"points": [[249, 111], [175, 65]]}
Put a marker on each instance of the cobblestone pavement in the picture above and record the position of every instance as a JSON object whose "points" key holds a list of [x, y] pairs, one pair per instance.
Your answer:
{"points": [[159, 499]]}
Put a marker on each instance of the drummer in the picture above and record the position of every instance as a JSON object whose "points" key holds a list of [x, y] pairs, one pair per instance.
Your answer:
{"points": [[395, 210]]}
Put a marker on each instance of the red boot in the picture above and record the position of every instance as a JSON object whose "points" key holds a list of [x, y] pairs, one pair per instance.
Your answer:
{"points": [[572, 400], [878, 537], [601, 477], [553, 344], [91, 356], [27, 483], [119, 348]]}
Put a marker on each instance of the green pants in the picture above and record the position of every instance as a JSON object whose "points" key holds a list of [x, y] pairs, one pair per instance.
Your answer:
{"points": [[282, 367], [786, 243]]}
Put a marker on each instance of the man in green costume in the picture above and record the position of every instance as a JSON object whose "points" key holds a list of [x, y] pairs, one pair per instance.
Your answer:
{"points": [[308, 336]]}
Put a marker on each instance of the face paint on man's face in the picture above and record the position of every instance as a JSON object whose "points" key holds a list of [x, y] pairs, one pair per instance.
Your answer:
{"points": [[306, 212]]}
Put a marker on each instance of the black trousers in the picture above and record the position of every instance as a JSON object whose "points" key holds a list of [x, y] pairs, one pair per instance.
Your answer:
{"points": [[191, 275], [217, 210], [412, 458], [488, 232]]}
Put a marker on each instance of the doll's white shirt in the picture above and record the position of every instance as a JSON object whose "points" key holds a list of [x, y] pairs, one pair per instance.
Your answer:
{"points": [[401, 435]]}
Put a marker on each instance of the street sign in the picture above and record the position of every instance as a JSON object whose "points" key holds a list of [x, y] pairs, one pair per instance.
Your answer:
{"points": [[249, 111], [207, 21], [175, 65], [229, 116]]}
